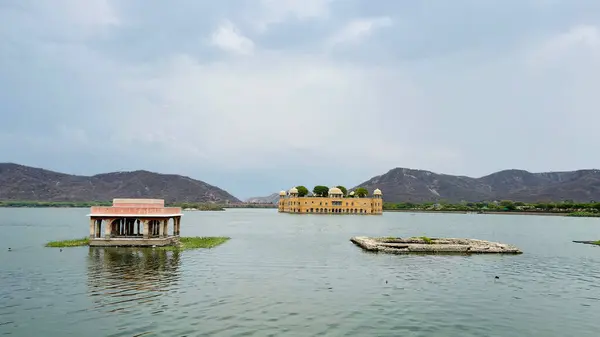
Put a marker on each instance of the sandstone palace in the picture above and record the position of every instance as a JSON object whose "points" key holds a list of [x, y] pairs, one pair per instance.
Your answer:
{"points": [[333, 202]]}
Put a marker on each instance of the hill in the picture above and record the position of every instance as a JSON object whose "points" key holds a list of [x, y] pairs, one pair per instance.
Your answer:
{"points": [[270, 199], [23, 183], [403, 184]]}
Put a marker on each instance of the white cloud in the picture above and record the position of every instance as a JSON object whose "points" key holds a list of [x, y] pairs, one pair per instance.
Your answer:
{"points": [[229, 38], [89, 12], [190, 109], [359, 29], [578, 41], [277, 11], [263, 107]]}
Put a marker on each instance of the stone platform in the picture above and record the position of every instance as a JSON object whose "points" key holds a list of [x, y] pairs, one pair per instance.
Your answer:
{"points": [[433, 246], [134, 242]]}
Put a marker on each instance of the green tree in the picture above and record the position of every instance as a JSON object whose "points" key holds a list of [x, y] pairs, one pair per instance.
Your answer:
{"points": [[320, 191], [361, 192], [302, 191], [344, 190]]}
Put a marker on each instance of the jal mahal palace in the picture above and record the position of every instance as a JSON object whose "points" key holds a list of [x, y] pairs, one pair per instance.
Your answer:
{"points": [[333, 203]]}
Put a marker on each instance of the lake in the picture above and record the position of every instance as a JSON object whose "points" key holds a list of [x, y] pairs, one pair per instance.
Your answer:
{"points": [[299, 275]]}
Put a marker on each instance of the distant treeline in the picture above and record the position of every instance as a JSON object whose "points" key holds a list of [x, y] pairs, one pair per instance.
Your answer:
{"points": [[568, 207], [251, 205]]}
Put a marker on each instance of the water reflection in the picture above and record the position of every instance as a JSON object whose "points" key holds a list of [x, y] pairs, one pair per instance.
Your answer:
{"points": [[121, 279]]}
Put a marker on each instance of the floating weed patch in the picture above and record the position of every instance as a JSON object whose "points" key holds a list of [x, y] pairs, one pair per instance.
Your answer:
{"points": [[196, 242], [584, 214], [69, 243], [185, 243], [426, 240]]}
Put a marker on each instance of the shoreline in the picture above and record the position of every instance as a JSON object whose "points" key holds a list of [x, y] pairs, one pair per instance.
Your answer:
{"points": [[484, 213], [538, 213]]}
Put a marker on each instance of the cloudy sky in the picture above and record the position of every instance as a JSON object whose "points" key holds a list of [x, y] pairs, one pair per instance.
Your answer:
{"points": [[255, 96]]}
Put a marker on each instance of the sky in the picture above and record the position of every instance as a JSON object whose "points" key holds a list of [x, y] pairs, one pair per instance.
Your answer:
{"points": [[255, 96]]}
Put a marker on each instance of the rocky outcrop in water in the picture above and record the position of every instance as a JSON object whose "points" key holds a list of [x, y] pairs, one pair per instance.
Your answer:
{"points": [[433, 246], [594, 243]]}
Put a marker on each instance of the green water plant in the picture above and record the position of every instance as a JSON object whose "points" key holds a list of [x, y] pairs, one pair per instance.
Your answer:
{"points": [[196, 242], [584, 214], [426, 239], [185, 243], [69, 243]]}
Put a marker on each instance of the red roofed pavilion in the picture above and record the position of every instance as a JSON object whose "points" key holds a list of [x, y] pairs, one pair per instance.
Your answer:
{"points": [[134, 222]]}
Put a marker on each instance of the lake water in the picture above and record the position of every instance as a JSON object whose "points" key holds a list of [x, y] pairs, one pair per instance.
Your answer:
{"points": [[299, 275]]}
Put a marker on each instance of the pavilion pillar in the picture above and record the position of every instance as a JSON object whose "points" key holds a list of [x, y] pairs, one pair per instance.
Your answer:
{"points": [[177, 225], [161, 228], [146, 229], [107, 228], [165, 224], [138, 226], [92, 228]]}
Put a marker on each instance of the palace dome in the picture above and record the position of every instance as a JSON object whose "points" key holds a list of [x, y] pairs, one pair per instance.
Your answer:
{"points": [[351, 193], [282, 193], [293, 190], [377, 192], [335, 190]]}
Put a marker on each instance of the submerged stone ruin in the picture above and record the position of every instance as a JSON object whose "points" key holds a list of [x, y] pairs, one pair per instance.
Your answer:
{"points": [[433, 245]]}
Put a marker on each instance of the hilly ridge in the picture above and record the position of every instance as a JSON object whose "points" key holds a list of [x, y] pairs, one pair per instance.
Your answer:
{"points": [[24, 183], [403, 184], [270, 199]]}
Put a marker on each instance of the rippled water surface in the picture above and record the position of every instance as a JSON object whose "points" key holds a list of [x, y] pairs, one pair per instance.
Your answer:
{"points": [[298, 275]]}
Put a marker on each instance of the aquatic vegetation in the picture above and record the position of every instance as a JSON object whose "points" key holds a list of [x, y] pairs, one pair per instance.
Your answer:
{"points": [[196, 242], [184, 243], [594, 243], [426, 239], [69, 243], [584, 214]]}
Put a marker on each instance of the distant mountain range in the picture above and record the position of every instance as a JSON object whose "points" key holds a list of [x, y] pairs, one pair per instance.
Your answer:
{"points": [[23, 183], [270, 199], [410, 185], [402, 184]]}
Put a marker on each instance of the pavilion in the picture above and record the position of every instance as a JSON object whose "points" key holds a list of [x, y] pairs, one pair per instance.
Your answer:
{"points": [[135, 222]]}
